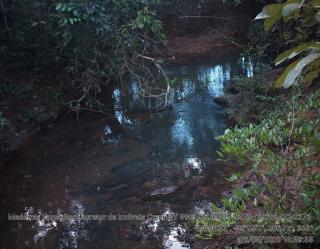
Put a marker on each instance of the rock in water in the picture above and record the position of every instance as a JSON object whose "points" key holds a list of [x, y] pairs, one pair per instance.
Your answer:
{"points": [[164, 191], [221, 100]]}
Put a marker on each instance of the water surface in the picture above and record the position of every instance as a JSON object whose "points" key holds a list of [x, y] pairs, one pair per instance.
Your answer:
{"points": [[152, 165]]}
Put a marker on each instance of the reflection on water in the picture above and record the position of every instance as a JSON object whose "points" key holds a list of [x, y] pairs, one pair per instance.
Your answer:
{"points": [[73, 227], [214, 78], [108, 137], [155, 165], [165, 228], [119, 113], [173, 240], [181, 132], [188, 88], [194, 121], [193, 165], [248, 65]]}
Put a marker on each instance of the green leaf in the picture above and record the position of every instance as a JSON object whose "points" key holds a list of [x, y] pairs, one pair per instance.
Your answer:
{"points": [[262, 15], [310, 76], [291, 53], [242, 207], [290, 8], [295, 71], [314, 71], [215, 208], [316, 3], [58, 6], [274, 13], [255, 202], [233, 177], [280, 80]]}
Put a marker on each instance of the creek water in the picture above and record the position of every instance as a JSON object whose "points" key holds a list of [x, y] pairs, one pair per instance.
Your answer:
{"points": [[156, 167]]}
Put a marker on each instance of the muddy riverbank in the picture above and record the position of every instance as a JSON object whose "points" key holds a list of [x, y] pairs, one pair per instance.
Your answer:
{"points": [[214, 34]]}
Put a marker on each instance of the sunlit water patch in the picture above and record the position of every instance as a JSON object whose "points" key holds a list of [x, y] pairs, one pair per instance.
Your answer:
{"points": [[72, 226], [165, 227]]}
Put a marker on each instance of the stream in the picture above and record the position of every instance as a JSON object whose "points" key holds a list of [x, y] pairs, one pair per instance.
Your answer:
{"points": [[137, 182]]}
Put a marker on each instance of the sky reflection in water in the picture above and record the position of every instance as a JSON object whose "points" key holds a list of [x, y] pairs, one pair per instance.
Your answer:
{"points": [[195, 120]]}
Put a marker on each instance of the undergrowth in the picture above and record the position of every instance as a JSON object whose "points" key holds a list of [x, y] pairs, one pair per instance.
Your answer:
{"points": [[280, 156], [255, 100]]}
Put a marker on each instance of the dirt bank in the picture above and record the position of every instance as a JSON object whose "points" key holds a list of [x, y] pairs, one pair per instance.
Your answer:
{"points": [[216, 34]]}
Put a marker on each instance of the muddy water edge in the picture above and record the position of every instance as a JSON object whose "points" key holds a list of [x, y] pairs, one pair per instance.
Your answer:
{"points": [[150, 165]]}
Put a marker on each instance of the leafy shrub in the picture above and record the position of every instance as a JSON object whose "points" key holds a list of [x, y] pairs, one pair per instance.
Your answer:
{"points": [[94, 41], [304, 17], [283, 149], [284, 153]]}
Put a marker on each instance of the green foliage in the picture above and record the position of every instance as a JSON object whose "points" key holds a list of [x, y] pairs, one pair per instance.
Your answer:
{"points": [[294, 70], [147, 21], [282, 147], [95, 41], [256, 99], [208, 227], [234, 177], [282, 151], [305, 16], [261, 43]]}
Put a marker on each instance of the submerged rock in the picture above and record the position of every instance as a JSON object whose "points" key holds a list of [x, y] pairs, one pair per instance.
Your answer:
{"points": [[164, 191], [221, 100]]}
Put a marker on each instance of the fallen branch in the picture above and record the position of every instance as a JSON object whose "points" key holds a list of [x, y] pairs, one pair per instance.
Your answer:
{"points": [[226, 38]]}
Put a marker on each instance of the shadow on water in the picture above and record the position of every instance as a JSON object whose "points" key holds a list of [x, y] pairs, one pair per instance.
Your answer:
{"points": [[157, 166]]}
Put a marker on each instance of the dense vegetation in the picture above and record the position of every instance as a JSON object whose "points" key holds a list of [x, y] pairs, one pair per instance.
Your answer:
{"points": [[56, 56], [95, 41], [280, 151]]}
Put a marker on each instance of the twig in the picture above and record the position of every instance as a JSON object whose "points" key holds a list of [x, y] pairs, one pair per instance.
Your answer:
{"points": [[226, 38], [92, 110]]}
